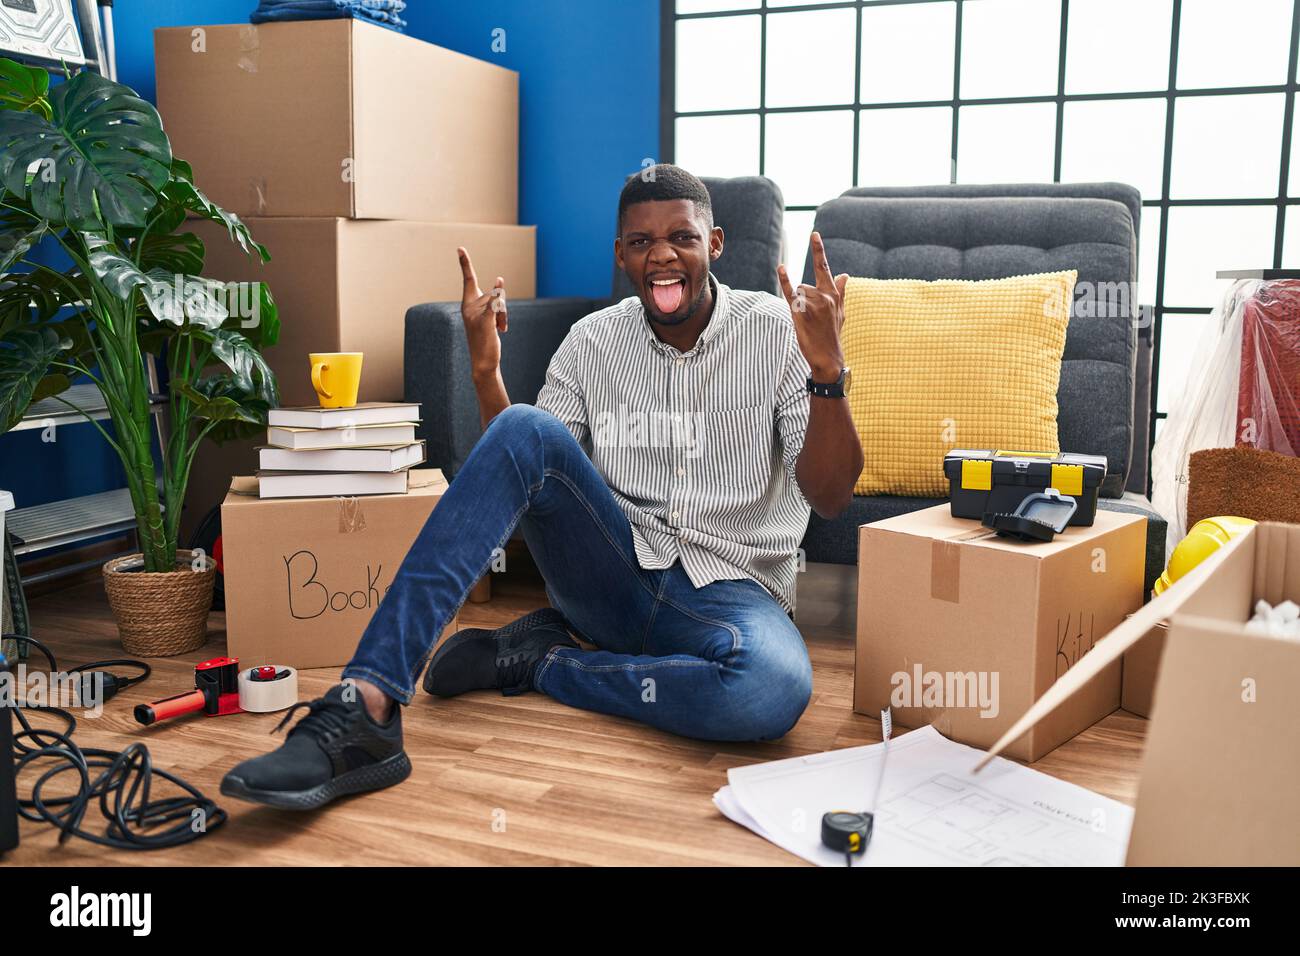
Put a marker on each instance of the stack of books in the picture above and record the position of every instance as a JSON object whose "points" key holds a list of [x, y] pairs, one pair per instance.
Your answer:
{"points": [[326, 452]]}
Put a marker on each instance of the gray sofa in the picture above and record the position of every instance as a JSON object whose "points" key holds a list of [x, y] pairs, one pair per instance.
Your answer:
{"points": [[987, 232], [970, 232]]}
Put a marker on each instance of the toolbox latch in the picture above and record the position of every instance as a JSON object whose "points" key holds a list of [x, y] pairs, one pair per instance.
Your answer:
{"points": [[976, 474], [1068, 479]]}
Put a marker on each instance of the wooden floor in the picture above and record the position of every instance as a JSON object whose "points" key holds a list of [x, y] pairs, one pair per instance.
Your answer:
{"points": [[497, 780]]}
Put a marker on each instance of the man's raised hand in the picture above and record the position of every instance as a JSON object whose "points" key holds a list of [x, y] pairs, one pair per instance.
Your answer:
{"points": [[485, 317], [818, 312]]}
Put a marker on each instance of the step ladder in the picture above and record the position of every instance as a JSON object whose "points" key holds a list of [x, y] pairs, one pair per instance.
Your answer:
{"points": [[42, 33], [69, 521]]}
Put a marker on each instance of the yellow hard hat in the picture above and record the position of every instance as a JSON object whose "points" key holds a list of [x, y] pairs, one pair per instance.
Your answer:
{"points": [[1205, 537]]}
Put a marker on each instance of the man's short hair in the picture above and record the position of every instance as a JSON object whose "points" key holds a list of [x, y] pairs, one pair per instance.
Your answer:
{"points": [[665, 182]]}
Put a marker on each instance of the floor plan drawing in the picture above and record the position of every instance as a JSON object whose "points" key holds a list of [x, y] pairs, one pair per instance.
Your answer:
{"points": [[933, 811]]}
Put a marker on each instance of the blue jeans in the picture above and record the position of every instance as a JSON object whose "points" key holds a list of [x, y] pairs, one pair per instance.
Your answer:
{"points": [[719, 662]]}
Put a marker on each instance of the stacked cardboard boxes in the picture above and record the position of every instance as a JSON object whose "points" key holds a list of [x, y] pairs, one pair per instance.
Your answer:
{"points": [[361, 158]]}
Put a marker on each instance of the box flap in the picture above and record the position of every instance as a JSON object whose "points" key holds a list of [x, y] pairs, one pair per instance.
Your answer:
{"points": [[1218, 779], [1112, 647], [1277, 575]]}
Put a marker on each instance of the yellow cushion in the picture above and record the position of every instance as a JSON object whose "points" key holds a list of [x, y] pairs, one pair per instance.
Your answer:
{"points": [[951, 364]]}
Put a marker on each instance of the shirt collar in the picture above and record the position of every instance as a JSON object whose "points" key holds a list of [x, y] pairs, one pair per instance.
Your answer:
{"points": [[721, 312]]}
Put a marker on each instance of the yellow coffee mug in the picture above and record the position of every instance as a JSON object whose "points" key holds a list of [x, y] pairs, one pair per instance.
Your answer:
{"points": [[336, 376]]}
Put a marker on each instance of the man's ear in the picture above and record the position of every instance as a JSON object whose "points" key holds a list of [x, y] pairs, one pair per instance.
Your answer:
{"points": [[618, 252], [715, 242]]}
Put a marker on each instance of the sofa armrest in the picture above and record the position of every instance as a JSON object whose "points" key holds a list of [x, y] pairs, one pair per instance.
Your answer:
{"points": [[437, 369], [1140, 457]]}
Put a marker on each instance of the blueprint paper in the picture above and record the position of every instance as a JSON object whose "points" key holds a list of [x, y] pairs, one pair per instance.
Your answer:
{"points": [[933, 811]]}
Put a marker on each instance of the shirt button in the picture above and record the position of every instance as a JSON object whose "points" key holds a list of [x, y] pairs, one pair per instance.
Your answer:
{"points": [[681, 472], [681, 361], [675, 515]]}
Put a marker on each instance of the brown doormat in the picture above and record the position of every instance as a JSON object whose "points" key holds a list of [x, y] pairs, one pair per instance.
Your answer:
{"points": [[1245, 482]]}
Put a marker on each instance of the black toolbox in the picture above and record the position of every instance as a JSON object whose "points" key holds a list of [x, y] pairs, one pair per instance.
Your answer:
{"points": [[985, 481]]}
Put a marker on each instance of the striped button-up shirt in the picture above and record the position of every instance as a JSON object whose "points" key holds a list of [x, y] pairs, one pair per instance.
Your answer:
{"points": [[698, 447]]}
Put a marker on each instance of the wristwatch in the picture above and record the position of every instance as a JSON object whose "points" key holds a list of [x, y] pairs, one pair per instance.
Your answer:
{"points": [[836, 389]]}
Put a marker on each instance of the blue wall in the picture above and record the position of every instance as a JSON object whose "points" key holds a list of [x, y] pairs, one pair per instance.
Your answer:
{"points": [[589, 115]]}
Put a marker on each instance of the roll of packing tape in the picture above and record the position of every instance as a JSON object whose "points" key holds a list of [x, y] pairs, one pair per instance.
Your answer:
{"points": [[268, 688]]}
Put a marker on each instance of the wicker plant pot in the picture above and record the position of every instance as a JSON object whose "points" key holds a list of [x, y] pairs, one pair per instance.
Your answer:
{"points": [[160, 614]]}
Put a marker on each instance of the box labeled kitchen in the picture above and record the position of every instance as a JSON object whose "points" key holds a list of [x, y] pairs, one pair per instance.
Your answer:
{"points": [[964, 629]]}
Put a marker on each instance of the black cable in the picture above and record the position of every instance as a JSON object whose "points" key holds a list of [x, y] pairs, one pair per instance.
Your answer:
{"points": [[122, 788], [97, 684], [122, 682], [49, 654]]}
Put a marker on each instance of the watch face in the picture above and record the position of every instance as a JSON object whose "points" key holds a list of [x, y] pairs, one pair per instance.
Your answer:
{"points": [[848, 380]]}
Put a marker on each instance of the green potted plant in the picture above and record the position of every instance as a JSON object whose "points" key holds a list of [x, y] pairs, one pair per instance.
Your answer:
{"points": [[86, 167]]}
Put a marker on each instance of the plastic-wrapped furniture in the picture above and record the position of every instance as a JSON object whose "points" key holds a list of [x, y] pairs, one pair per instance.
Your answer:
{"points": [[1268, 397], [1243, 389]]}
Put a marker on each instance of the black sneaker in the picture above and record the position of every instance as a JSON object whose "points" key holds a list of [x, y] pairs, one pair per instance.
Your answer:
{"points": [[335, 750], [478, 659]]}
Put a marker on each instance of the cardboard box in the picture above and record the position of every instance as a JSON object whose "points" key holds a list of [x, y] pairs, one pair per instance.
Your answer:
{"points": [[341, 286], [963, 629], [1220, 775], [340, 118], [344, 286], [303, 576], [1220, 779], [1141, 664]]}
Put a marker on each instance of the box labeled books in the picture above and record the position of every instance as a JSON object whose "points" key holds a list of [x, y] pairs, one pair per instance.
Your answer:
{"points": [[303, 576]]}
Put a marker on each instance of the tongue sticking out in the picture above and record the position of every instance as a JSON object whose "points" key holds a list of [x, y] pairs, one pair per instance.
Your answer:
{"points": [[668, 298]]}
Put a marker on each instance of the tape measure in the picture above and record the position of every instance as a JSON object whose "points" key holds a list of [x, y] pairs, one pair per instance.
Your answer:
{"points": [[849, 831]]}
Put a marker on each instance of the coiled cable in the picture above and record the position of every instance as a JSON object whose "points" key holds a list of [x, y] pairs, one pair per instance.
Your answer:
{"points": [[121, 782]]}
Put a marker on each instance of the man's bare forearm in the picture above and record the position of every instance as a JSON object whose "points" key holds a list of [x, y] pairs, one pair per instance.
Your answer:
{"points": [[486, 316], [831, 459], [492, 397]]}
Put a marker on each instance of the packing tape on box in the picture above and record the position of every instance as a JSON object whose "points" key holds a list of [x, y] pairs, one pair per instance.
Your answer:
{"points": [[250, 48], [945, 564], [351, 517], [264, 696], [945, 571]]}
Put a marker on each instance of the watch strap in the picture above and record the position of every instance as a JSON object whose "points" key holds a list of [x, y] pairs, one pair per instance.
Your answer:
{"points": [[833, 389]]}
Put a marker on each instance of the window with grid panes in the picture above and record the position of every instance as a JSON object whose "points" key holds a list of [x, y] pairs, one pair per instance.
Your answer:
{"points": [[1190, 101]]}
